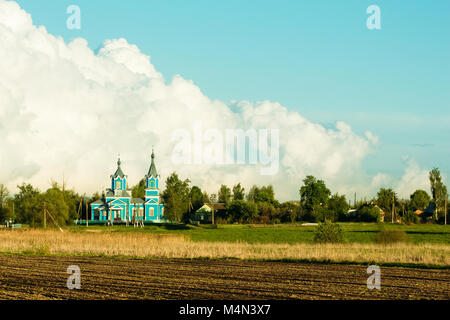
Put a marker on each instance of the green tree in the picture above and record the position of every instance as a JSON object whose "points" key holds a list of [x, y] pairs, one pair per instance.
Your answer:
{"points": [[176, 197], [196, 197], [438, 190], [338, 207], [419, 200], [289, 211], [224, 194], [205, 197], [242, 211], [368, 213], [386, 199], [314, 194], [238, 192], [57, 206], [138, 191], [328, 232], [29, 205], [265, 194], [5, 210], [252, 193], [266, 209]]}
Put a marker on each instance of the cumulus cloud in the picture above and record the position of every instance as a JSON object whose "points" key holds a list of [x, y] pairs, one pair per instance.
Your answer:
{"points": [[413, 178], [65, 110]]}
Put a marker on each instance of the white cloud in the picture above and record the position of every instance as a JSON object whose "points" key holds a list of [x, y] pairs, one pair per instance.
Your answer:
{"points": [[65, 110], [413, 178]]}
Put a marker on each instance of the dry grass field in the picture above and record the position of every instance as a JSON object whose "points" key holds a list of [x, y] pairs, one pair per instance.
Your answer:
{"points": [[142, 245]]}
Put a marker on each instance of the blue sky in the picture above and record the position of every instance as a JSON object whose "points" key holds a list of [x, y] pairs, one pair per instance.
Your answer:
{"points": [[314, 57]]}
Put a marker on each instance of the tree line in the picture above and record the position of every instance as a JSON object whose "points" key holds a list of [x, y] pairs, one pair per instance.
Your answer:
{"points": [[316, 203]]}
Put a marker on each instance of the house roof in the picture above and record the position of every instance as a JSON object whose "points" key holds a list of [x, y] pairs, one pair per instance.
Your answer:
{"points": [[215, 206], [431, 208]]}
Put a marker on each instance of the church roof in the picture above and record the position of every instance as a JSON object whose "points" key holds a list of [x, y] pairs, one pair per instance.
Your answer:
{"points": [[137, 200], [98, 202], [120, 193], [152, 170], [119, 172]]}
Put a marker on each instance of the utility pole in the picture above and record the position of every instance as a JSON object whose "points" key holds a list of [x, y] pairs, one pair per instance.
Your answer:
{"points": [[45, 217], [87, 215], [354, 203], [212, 198], [392, 211], [445, 211]]}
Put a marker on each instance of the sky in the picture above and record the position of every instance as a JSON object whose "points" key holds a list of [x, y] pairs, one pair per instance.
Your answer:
{"points": [[358, 108]]}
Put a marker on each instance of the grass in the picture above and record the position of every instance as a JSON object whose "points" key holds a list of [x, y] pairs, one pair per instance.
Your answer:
{"points": [[148, 245], [286, 233]]}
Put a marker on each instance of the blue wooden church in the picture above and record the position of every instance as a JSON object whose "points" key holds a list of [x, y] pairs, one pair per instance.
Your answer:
{"points": [[117, 205]]}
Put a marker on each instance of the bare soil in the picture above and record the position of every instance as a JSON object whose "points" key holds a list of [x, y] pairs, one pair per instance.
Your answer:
{"points": [[45, 277]]}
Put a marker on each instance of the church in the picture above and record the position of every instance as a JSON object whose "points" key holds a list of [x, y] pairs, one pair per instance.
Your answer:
{"points": [[118, 205]]}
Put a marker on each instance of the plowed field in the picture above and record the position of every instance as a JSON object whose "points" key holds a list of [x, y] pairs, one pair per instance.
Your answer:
{"points": [[45, 277]]}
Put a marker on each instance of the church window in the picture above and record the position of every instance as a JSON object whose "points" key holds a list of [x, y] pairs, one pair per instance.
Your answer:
{"points": [[118, 185]]}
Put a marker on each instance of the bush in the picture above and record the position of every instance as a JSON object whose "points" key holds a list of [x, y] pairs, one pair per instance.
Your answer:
{"points": [[368, 214], [410, 217], [328, 232], [261, 220], [390, 236]]}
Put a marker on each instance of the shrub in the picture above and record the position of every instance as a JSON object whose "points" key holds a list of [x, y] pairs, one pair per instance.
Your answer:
{"points": [[261, 220], [410, 217], [328, 232], [369, 214], [390, 236]]}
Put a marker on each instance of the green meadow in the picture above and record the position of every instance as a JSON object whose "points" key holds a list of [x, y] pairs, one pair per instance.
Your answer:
{"points": [[285, 233]]}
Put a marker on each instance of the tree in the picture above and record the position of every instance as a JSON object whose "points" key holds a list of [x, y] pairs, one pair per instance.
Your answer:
{"points": [[265, 194], [4, 210], [196, 197], [386, 200], [314, 194], [338, 206], [289, 211], [419, 200], [238, 192], [368, 213], [252, 193], [176, 197], [438, 190], [242, 211], [57, 205], [205, 197], [29, 205], [138, 191], [266, 209], [224, 194]]}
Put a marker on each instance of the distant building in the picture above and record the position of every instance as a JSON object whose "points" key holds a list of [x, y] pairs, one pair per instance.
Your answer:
{"points": [[204, 214], [118, 205]]}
